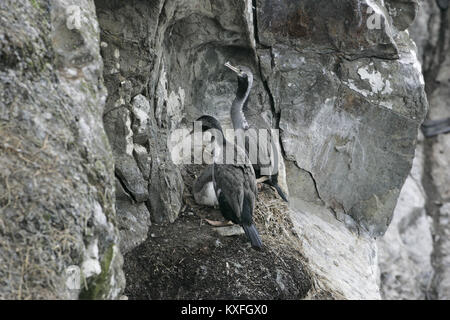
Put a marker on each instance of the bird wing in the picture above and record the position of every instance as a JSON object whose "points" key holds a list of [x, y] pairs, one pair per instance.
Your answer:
{"points": [[250, 179], [248, 173], [243, 163], [249, 203]]}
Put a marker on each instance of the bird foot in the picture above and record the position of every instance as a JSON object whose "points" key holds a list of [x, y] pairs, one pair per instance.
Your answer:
{"points": [[219, 223], [262, 179], [230, 231]]}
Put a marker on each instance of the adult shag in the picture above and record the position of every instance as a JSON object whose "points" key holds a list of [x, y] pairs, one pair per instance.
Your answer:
{"points": [[234, 183], [266, 165]]}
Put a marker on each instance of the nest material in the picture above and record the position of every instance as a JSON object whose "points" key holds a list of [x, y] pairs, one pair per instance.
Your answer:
{"points": [[271, 214]]}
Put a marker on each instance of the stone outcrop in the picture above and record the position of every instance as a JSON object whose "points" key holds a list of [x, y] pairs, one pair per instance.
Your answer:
{"points": [[406, 248], [414, 253], [57, 218], [345, 117]]}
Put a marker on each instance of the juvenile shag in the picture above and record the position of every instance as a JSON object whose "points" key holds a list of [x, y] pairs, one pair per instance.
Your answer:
{"points": [[266, 166], [234, 183], [203, 189]]}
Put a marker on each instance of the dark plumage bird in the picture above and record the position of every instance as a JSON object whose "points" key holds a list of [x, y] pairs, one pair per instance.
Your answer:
{"points": [[234, 183], [266, 166]]}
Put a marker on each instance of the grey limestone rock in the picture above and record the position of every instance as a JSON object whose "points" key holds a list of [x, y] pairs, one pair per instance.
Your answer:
{"points": [[58, 224]]}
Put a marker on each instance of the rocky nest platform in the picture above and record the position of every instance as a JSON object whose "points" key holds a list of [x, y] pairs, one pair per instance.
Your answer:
{"points": [[190, 259]]}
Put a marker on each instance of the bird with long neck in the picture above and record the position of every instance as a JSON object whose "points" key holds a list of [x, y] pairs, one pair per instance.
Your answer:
{"points": [[234, 183], [245, 82], [268, 154]]}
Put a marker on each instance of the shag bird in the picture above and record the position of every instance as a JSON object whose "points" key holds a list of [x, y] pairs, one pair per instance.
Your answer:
{"points": [[266, 164], [234, 183]]}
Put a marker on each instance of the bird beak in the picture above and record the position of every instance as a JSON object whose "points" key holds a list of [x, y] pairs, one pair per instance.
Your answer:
{"points": [[228, 65]]}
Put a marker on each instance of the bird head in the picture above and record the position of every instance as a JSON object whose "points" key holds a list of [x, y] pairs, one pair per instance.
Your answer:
{"points": [[211, 144], [209, 122]]}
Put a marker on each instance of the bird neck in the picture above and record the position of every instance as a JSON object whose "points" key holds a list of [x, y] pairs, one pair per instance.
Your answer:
{"points": [[237, 113], [218, 153]]}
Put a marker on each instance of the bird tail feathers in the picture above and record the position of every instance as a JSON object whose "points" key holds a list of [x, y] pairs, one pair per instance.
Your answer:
{"points": [[280, 192]]}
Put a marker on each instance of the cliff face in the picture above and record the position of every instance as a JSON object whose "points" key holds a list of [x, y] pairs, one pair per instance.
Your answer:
{"points": [[88, 84], [348, 123], [57, 215]]}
